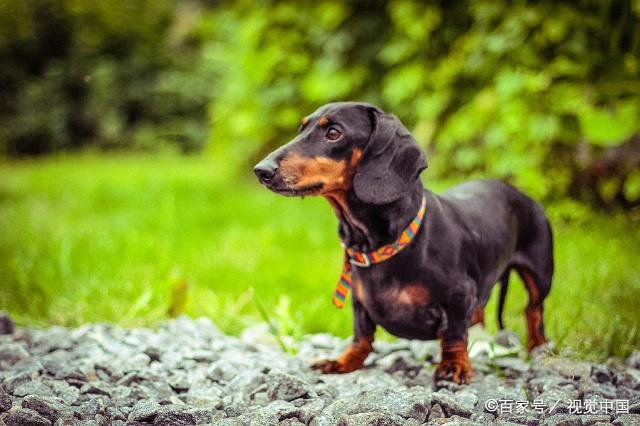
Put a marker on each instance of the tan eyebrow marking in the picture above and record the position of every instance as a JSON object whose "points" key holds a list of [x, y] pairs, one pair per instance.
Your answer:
{"points": [[323, 121], [305, 121]]}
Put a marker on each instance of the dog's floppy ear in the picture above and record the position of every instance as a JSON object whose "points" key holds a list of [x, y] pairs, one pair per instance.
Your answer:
{"points": [[391, 161]]}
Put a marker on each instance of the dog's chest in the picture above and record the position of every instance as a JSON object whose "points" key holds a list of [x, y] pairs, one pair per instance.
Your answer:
{"points": [[405, 309]]}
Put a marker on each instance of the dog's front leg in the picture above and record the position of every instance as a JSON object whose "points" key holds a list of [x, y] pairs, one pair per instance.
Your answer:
{"points": [[354, 356], [455, 364]]}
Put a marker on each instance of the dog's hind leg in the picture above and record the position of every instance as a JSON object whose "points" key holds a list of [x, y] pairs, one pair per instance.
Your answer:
{"points": [[534, 310], [535, 267], [477, 317]]}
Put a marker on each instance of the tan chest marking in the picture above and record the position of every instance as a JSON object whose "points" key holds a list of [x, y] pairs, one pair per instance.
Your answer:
{"points": [[358, 291], [413, 294]]}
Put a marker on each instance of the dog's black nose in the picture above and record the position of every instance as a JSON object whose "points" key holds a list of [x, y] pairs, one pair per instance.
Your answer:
{"points": [[265, 170]]}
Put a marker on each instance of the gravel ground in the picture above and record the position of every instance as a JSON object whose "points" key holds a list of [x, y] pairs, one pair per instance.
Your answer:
{"points": [[186, 372]]}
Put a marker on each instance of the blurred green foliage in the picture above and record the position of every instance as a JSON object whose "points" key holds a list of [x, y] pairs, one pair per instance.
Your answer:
{"points": [[110, 74], [543, 94]]}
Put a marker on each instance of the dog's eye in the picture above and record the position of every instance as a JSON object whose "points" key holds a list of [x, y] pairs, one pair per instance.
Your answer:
{"points": [[333, 134]]}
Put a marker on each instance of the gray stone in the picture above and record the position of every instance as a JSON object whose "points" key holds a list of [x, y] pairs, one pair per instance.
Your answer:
{"points": [[206, 416], [5, 401], [605, 390], [285, 386], [436, 412], [24, 417], [259, 418], [310, 410], [370, 419], [501, 422], [204, 395], [98, 388], [562, 420], [34, 387], [60, 367], [281, 409], [246, 381], [467, 398], [634, 360], [48, 407], [512, 363], [136, 362], [11, 353], [569, 368], [180, 382], [144, 411], [6, 324], [47, 341], [450, 405], [544, 382], [483, 418], [12, 380], [628, 420], [592, 419], [630, 378], [291, 422], [331, 413], [507, 338], [232, 422], [558, 399], [175, 418], [28, 365], [114, 413], [391, 402], [68, 394], [221, 371], [602, 374], [72, 421], [461, 421], [522, 419], [90, 408]]}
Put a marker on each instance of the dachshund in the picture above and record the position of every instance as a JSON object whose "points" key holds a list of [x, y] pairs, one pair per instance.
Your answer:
{"points": [[457, 245]]}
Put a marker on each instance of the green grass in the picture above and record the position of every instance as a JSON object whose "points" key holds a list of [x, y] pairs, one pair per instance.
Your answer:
{"points": [[88, 238]]}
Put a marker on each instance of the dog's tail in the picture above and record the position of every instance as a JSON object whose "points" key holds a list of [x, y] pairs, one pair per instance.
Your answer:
{"points": [[504, 284]]}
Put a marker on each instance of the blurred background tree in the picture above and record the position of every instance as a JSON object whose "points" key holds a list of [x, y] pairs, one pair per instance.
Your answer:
{"points": [[543, 94]]}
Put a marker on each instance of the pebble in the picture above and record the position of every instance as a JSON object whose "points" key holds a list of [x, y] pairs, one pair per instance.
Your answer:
{"points": [[6, 324], [186, 372]]}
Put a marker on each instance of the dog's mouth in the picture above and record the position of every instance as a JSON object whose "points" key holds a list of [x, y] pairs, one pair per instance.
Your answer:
{"points": [[297, 192]]}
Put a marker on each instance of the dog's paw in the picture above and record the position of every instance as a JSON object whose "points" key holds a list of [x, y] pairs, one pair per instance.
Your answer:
{"points": [[329, 366], [454, 370]]}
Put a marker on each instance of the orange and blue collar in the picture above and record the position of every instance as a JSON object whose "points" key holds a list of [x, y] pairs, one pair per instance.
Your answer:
{"points": [[366, 259]]}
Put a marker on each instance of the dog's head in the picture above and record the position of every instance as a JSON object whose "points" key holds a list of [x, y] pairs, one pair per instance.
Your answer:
{"points": [[344, 146]]}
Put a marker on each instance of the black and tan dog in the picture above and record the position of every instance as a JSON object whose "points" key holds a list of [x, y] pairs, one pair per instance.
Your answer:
{"points": [[367, 165]]}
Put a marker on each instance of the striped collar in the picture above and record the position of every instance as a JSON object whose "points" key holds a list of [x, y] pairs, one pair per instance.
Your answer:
{"points": [[366, 259]]}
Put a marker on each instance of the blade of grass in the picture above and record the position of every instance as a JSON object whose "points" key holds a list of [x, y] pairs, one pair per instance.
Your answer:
{"points": [[273, 329]]}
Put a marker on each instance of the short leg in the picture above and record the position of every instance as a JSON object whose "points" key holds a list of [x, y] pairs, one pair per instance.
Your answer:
{"points": [[455, 364], [477, 317], [351, 359], [534, 311], [354, 356]]}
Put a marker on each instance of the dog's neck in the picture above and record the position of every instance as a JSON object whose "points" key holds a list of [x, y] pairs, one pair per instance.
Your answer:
{"points": [[365, 227]]}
